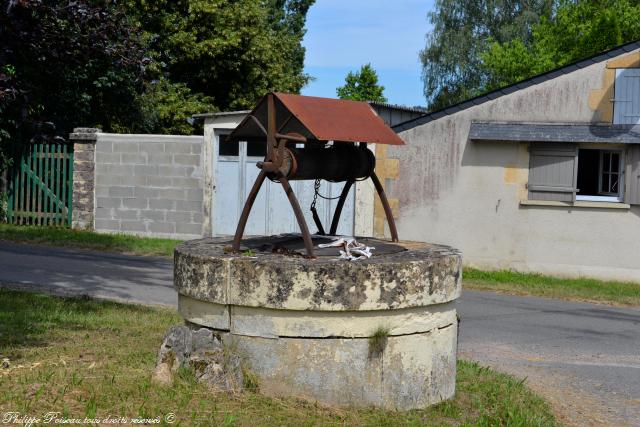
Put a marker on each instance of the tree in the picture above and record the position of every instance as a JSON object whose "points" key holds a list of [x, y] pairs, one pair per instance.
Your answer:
{"points": [[230, 51], [362, 86], [143, 65], [451, 61], [290, 16], [168, 108], [578, 29], [67, 62]]}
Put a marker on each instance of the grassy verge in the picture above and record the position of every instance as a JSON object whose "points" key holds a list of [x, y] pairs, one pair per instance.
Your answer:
{"points": [[64, 237], [86, 358], [609, 292], [592, 290]]}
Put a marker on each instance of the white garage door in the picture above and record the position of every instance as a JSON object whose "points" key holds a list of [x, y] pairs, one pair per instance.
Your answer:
{"points": [[236, 172]]}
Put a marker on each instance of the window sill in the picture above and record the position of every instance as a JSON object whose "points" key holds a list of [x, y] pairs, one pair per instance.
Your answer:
{"points": [[577, 204]]}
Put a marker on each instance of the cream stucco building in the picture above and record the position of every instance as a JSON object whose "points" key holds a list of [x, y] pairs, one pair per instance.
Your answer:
{"points": [[541, 176]]}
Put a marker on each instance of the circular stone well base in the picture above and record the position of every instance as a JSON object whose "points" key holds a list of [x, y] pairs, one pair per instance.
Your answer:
{"points": [[377, 332]]}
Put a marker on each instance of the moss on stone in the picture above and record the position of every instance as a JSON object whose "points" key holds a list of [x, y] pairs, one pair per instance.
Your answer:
{"points": [[378, 341]]}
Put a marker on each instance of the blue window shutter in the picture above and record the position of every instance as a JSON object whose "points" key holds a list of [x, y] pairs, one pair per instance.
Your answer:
{"points": [[626, 108]]}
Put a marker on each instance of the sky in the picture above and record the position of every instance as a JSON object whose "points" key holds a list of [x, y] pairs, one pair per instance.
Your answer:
{"points": [[343, 35]]}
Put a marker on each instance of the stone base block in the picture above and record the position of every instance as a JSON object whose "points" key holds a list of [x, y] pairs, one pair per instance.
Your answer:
{"points": [[412, 371]]}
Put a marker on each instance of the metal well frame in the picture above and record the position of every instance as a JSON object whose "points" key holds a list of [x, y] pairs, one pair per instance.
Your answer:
{"points": [[279, 158]]}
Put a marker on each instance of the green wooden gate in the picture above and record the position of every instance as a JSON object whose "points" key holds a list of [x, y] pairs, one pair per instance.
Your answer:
{"points": [[40, 189]]}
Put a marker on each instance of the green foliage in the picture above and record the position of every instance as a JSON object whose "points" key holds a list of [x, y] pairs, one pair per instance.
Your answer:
{"points": [[451, 62], [250, 380], [142, 65], [577, 30], [378, 341], [477, 46], [362, 86], [8, 93], [168, 107], [229, 420], [4, 208], [231, 51], [67, 62], [509, 62]]}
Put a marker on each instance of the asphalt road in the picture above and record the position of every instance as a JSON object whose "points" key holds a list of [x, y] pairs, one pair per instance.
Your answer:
{"points": [[584, 358], [146, 280]]}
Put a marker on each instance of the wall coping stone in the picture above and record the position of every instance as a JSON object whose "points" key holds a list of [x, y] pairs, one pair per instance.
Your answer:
{"points": [[150, 137], [84, 135]]}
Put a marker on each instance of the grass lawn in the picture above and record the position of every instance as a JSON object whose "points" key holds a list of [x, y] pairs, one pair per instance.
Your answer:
{"points": [[591, 290], [64, 237], [86, 358]]}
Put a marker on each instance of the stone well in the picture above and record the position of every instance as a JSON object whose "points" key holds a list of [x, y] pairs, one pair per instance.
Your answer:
{"points": [[306, 326]]}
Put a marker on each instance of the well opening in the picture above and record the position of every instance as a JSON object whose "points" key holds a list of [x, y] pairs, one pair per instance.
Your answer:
{"points": [[293, 245]]}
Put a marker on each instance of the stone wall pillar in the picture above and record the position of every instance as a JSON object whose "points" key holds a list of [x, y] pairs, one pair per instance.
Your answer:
{"points": [[84, 158]]}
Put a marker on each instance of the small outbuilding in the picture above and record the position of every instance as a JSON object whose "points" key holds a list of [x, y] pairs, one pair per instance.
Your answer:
{"points": [[541, 176]]}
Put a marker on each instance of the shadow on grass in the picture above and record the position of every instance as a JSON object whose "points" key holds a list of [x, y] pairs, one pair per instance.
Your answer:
{"points": [[33, 320], [64, 237]]}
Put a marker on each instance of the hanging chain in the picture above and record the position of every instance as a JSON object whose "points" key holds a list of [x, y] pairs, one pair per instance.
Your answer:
{"points": [[316, 194]]}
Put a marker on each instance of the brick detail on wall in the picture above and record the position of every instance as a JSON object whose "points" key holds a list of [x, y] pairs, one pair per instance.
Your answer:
{"points": [[84, 145], [149, 185], [386, 169]]}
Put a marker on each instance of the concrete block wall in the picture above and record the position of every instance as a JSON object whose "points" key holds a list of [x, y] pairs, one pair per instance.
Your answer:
{"points": [[149, 185]]}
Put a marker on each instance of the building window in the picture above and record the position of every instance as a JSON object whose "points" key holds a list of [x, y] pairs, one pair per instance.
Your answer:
{"points": [[599, 175], [228, 148], [610, 173], [256, 147], [567, 173]]}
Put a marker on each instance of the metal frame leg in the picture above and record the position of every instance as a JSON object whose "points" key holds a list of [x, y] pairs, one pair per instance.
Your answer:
{"points": [[242, 223], [385, 205], [339, 206], [308, 244]]}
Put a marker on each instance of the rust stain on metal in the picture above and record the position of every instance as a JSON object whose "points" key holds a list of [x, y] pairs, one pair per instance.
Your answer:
{"points": [[339, 119]]}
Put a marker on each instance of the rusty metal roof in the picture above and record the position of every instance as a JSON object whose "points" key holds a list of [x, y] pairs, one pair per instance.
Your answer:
{"points": [[322, 119]]}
